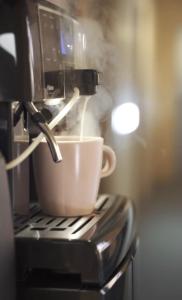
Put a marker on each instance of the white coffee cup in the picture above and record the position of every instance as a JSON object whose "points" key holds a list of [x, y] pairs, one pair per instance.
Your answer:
{"points": [[70, 187]]}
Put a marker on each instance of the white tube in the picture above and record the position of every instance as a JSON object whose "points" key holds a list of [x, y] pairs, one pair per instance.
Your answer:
{"points": [[12, 164], [83, 116]]}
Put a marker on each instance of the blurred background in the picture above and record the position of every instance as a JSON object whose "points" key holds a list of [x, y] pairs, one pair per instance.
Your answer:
{"points": [[137, 45]]}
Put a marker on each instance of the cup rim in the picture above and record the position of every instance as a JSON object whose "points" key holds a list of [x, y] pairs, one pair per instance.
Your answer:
{"points": [[74, 138]]}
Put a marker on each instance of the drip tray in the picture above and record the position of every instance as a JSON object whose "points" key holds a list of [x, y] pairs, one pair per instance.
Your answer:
{"points": [[91, 247], [41, 226]]}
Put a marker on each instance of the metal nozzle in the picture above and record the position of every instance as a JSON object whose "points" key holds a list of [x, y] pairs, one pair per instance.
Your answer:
{"points": [[40, 121]]}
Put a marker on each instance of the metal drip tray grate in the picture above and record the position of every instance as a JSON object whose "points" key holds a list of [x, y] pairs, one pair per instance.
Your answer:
{"points": [[41, 226]]}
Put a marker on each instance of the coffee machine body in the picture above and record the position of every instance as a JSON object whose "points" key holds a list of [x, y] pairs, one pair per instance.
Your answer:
{"points": [[37, 46], [44, 49], [42, 57]]}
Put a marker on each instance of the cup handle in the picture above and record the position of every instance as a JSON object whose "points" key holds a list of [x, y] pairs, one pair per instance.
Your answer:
{"points": [[110, 161]]}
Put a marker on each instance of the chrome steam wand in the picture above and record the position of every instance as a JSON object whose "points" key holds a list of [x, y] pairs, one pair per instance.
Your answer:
{"points": [[38, 118]]}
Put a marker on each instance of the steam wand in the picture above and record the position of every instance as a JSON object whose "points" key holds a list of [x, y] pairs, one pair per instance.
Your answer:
{"points": [[14, 163], [38, 118]]}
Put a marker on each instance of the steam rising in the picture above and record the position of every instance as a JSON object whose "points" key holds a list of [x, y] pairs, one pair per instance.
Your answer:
{"points": [[103, 41], [96, 46], [96, 54], [97, 109]]}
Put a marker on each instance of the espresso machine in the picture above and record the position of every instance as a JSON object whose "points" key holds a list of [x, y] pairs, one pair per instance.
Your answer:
{"points": [[85, 257]]}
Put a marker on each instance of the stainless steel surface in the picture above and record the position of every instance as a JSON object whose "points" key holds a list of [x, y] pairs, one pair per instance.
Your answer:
{"points": [[53, 146], [98, 241], [41, 226]]}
